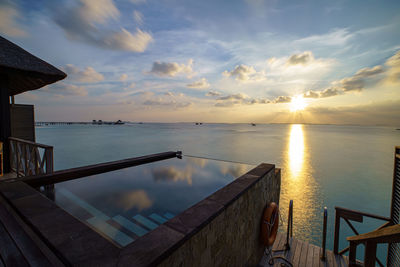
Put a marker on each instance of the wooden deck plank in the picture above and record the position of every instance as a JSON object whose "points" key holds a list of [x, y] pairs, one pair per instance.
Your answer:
{"points": [[9, 252], [291, 253], [25, 244], [316, 256], [297, 253], [310, 255], [304, 254]]}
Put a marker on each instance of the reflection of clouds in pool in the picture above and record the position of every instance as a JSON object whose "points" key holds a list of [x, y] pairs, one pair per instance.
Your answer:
{"points": [[134, 199], [197, 161], [234, 170], [173, 174]]}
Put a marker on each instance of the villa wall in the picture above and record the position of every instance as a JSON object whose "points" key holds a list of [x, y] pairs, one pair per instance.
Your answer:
{"points": [[230, 235]]}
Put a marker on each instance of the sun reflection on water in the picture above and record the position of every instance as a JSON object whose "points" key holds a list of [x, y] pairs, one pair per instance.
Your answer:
{"points": [[296, 150], [298, 184]]}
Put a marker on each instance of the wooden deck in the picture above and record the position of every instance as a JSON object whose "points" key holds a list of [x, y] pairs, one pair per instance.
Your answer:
{"points": [[303, 254]]}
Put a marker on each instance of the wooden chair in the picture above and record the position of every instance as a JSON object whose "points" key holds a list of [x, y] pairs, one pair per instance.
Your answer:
{"points": [[388, 233]]}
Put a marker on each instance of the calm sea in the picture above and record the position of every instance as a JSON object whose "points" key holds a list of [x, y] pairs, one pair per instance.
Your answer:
{"points": [[322, 165]]}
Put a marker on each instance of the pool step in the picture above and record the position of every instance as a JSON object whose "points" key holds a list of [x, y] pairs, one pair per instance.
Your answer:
{"points": [[158, 218], [146, 222], [133, 227], [83, 204], [109, 230]]}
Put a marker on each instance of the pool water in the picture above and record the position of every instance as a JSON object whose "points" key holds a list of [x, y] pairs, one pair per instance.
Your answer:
{"points": [[125, 204]]}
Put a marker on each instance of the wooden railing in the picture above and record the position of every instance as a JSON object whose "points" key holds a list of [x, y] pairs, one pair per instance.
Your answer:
{"points": [[388, 234], [352, 215], [28, 158]]}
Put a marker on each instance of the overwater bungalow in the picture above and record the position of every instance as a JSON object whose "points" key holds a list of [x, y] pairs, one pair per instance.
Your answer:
{"points": [[235, 225]]}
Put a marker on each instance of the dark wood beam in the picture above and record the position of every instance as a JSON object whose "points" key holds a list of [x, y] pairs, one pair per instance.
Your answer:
{"points": [[5, 124]]}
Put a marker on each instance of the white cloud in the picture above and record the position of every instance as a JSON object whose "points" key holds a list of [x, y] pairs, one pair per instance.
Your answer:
{"points": [[239, 99], [86, 22], [393, 72], [357, 82], [301, 59], [200, 84], [138, 1], [213, 93], [88, 75], [337, 37], [9, 15], [138, 17], [65, 89], [123, 77], [245, 73], [171, 68], [125, 40], [282, 99]]}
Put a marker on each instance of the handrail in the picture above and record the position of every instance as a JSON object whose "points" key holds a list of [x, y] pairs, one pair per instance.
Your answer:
{"points": [[323, 256], [28, 142], [27, 160], [388, 234], [383, 235], [351, 215], [290, 225]]}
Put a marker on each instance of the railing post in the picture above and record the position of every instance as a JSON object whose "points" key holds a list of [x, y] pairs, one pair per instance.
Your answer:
{"points": [[337, 230], [290, 225], [49, 160], [352, 254], [370, 254], [323, 256], [17, 157]]}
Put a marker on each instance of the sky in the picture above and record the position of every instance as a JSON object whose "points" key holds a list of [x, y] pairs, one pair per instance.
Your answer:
{"points": [[315, 61]]}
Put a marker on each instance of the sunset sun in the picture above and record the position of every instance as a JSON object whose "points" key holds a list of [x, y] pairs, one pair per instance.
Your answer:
{"points": [[298, 103]]}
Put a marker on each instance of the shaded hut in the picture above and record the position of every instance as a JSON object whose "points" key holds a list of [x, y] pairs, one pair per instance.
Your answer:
{"points": [[20, 71]]}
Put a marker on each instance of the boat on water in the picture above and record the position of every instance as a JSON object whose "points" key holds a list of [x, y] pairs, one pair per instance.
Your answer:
{"points": [[253, 124], [119, 122]]}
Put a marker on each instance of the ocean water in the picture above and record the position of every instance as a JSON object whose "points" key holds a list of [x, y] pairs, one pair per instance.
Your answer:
{"points": [[322, 165]]}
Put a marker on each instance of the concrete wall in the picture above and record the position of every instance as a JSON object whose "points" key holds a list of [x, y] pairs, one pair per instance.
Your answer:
{"points": [[231, 237], [23, 122]]}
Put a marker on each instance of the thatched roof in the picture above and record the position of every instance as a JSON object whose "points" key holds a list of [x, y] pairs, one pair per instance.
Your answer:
{"points": [[25, 72]]}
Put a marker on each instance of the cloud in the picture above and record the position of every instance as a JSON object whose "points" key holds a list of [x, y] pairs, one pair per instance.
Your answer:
{"points": [[170, 103], [173, 174], [138, 17], [378, 113], [239, 96], [282, 99], [171, 69], [245, 73], [301, 59], [88, 75], [135, 199], [337, 37], [239, 99], [9, 16], [85, 22], [200, 84], [357, 82], [64, 89], [213, 93], [393, 72], [138, 1], [168, 99], [123, 77]]}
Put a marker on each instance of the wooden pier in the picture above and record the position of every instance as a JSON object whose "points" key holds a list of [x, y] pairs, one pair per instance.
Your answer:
{"points": [[303, 254]]}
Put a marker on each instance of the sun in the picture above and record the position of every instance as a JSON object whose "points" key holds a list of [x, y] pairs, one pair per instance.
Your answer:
{"points": [[298, 103]]}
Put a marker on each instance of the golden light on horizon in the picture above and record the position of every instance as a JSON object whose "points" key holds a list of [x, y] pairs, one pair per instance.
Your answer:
{"points": [[298, 103], [296, 150]]}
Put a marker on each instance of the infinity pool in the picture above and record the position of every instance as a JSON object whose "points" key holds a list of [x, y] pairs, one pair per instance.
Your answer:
{"points": [[125, 204]]}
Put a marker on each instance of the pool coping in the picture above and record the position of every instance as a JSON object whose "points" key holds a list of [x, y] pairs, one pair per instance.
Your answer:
{"points": [[75, 243]]}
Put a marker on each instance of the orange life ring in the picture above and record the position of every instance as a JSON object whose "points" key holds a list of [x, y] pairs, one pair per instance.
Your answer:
{"points": [[269, 224]]}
